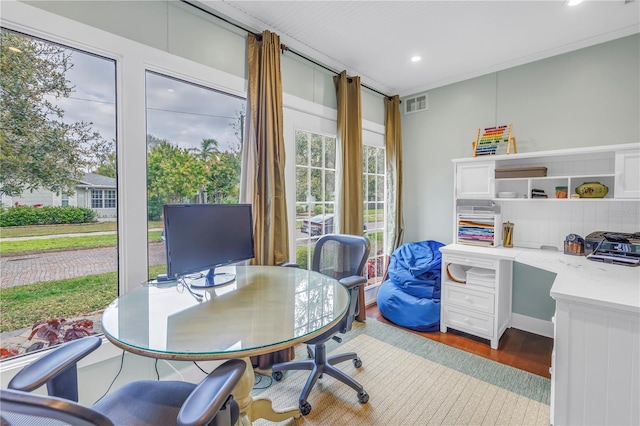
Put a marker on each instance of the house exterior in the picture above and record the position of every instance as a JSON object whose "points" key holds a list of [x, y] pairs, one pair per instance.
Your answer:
{"points": [[93, 191]]}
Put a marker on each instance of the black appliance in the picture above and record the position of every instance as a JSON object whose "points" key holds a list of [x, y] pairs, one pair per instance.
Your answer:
{"points": [[614, 247]]}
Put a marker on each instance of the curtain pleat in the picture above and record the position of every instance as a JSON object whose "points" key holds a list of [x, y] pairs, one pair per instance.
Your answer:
{"points": [[263, 163], [393, 149], [349, 202]]}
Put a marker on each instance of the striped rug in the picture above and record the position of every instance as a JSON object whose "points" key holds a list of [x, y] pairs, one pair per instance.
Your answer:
{"points": [[415, 381]]}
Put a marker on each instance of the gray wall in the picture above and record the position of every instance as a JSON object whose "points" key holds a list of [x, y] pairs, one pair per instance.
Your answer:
{"points": [[584, 98], [185, 31]]}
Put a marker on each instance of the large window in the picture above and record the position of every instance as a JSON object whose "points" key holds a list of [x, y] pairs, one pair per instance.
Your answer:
{"points": [[58, 131], [194, 150], [315, 198], [373, 196], [315, 191]]}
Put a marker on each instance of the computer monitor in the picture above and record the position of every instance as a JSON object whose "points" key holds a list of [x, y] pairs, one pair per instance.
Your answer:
{"points": [[200, 237]]}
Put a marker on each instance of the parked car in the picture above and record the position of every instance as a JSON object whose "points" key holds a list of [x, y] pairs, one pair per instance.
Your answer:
{"points": [[314, 226], [318, 225]]}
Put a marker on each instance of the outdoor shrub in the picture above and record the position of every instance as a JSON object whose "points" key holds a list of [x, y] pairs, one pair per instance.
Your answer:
{"points": [[318, 209], [301, 257], [47, 215]]}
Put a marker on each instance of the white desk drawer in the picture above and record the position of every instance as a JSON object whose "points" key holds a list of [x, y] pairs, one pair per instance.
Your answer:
{"points": [[471, 261], [460, 296], [473, 322]]}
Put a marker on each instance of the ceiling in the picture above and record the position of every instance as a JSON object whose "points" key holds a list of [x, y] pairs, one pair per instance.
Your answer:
{"points": [[457, 40]]}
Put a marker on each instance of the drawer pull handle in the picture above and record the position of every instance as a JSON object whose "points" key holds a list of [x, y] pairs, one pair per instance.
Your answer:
{"points": [[468, 299]]}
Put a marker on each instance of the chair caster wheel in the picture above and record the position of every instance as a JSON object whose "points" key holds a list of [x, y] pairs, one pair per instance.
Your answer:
{"points": [[277, 375], [357, 363], [363, 397], [305, 408]]}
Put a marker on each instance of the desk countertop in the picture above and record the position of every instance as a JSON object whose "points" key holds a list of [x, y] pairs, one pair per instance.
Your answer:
{"points": [[577, 278]]}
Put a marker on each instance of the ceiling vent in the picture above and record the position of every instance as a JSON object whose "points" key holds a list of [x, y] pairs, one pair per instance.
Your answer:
{"points": [[415, 104]]}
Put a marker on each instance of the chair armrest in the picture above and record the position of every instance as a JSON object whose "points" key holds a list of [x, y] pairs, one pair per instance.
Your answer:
{"points": [[211, 394], [57, 368], [289, 265], [29, 408], [353, 281]]}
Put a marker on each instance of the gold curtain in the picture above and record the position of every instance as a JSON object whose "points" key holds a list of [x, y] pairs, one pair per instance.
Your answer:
{"points": [[393, 194], [349, 180], [263, 163]]}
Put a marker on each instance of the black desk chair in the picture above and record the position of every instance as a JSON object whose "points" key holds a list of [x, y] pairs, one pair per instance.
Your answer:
{"points": [[145, 402], [342, 257]]}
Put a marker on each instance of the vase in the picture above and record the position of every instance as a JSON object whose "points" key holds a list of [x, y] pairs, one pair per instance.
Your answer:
{"points": [[592, 190]]}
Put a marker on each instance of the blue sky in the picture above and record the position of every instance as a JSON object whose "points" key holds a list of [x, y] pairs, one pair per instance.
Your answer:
{"points": [[179, 112]]}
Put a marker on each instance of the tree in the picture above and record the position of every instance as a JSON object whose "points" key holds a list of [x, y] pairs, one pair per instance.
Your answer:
{"points": [[223, 181], [40, 149], [173, 174], [107, 163]]}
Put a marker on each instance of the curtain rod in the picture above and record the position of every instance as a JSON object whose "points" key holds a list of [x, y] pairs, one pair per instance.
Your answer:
{"points": [[282, 46]]}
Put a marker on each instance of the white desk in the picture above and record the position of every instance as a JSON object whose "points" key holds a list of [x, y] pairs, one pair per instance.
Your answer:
{"points": [[595, 371]]}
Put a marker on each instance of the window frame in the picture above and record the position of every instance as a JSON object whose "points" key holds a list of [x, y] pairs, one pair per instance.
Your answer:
{"points": [[132, 60], [97, 198]]}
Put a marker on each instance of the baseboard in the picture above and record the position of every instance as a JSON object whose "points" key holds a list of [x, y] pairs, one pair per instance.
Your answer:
{"points": [[532, 325]]}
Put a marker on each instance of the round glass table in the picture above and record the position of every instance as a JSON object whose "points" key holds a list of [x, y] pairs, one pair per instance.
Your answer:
{"points": [[266, 308]]}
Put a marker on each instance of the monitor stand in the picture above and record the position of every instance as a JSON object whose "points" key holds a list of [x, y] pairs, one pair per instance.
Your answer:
{"points": [[213, 279]]}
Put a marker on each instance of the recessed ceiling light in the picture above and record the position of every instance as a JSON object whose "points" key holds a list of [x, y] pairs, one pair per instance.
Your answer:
{"points": [[170, 90], [416, 58], [574, 2]]}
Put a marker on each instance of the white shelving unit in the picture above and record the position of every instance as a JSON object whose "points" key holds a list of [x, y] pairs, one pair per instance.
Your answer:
{"points": [[615, 166], [546, 221]]}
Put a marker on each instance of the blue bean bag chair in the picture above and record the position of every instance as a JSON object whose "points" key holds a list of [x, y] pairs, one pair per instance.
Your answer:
{"points": [[411, 296]]}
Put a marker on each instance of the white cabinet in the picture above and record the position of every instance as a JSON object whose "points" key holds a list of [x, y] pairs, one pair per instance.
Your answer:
{"points": [[547, 221], [481, 305], [595, 373], [627, 181], [475, 180], [615, 166]]}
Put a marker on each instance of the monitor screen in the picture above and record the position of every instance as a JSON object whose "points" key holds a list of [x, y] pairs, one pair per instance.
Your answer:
{"points": [[199, 237]]}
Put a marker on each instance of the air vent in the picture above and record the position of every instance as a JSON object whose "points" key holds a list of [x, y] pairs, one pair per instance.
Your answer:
{"points": [[415, 104]]}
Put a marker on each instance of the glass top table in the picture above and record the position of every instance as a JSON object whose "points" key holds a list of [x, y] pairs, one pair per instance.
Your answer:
{"points": [[266, 308]]}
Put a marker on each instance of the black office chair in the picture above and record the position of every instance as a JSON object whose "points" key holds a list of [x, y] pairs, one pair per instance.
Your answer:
{"points": [[342, 257], [145, 402]]}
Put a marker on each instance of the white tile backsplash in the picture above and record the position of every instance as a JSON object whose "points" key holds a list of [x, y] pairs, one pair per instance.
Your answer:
{"points": [[548, 222]]}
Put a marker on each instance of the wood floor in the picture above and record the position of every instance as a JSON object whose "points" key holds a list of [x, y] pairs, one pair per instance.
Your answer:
{"points": [[519, 349]]}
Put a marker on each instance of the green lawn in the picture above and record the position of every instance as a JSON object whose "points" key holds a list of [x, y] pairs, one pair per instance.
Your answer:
{"points": [[35, 231], [62, 243], [23, 305]]}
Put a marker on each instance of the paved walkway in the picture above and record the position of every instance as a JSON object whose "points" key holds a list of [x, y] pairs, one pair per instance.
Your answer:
{"points": [[32, 268]]}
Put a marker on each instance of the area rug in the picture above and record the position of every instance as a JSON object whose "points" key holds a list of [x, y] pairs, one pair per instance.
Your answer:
{"points": [[415, 381]]}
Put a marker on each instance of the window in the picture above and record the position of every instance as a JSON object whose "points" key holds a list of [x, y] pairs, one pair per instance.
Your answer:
{"points": [[374, 203], [96, 199], [194, 151], [103, 198], [315, 191], [109, 198], [58, 124]]}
